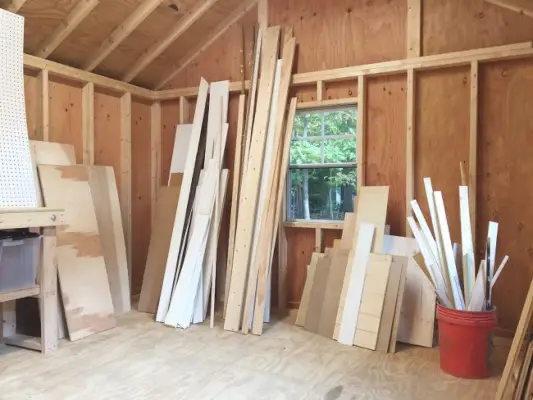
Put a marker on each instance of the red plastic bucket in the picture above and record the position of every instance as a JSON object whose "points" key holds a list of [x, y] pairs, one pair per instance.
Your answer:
{"points": [[464, 341]]}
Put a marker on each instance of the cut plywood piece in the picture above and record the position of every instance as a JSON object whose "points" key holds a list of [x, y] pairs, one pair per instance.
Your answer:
{"points": [[358, 264], [318, 291], [348, 231], [50, 153], [373, 300], [398, 309], [107, 207], [82, 271], [167, 200], [304, 302], [328, 313], [179, 152], [391, 296], [371, 208], [417, 320]]}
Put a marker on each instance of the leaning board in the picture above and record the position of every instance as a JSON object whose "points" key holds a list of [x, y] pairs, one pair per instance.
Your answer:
{"points": [[82, 271]]}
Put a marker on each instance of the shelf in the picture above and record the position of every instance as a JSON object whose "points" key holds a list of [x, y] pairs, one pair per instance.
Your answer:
{"points": [[19, 294], [31, 218]]}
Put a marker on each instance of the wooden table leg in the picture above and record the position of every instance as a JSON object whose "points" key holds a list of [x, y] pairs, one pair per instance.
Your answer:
{"points": [[48, 280]]}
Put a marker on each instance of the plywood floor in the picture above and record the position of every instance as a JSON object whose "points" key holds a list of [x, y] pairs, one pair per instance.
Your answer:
{"points": [[143, 360]]}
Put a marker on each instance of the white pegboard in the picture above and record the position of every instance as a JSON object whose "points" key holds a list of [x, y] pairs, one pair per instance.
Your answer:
{"points": [[17, 185]]}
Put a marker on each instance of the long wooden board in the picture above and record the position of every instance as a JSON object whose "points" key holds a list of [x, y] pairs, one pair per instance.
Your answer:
{"points": [[183, 204], [167, 200], [318, 291], [82, 271], [398, 311], [304, 302], [107, 207], [250, 187], [371, 208]]}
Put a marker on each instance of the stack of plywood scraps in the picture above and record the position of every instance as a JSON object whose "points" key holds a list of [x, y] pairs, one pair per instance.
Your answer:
{"points": [[262, 170], [367, 290], [442, 262], [180, 271], [91, 251]]}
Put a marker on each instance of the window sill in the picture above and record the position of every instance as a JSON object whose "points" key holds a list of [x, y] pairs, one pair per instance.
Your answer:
{"points": [[313, 224]]}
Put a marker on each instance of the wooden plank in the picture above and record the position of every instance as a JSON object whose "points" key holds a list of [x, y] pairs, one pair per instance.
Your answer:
{"points": [[52, 153], [14, 5], [472, 152], [24, 341], [371, 208], [107, 208], [320, 90], [49, 313], [235, 194], [237, 13], [389, 307], [31, 218], [409, 142], [360, 132], [523, 7], [398, 310], [524, 372], [414, 28], [246, 220], [82, 271], [155, 154], [373, 294], [165, 207], [87, 114], [477, 299], [262, 14], [313, 224], [318, 292], [183, 204], [184, 111], [354, 293], [467, 246], [19, 294], [310, 105], [156, 49], [73, 19], [43, 106], [306, 294], [318, 240], [121, 32], [125, 174]]}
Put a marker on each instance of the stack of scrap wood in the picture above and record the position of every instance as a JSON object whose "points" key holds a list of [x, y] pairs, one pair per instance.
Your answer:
{"points": [[367, 290], [91, 251], [442, 264], [264, 147]]}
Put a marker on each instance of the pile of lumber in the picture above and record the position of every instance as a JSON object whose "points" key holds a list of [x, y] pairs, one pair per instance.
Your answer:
{"points": [[91, 252], [361, 292], [442, 261], [258, 196]]}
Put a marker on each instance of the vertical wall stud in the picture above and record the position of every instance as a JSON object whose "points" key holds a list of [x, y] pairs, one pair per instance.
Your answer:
{"points": [[414, 28], [262, 14], [184, 110], [472, 154], [88, 123], [43, 116], [318, 240], [360, 138], [155, 144], [320, 90], [409, 144], [125, 172]]}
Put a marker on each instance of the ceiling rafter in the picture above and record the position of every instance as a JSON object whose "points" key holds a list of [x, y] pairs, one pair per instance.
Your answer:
{"points": [[227, 23], [162, 44], [74, 18], [15, 5], [121, 33], [524, 7]]}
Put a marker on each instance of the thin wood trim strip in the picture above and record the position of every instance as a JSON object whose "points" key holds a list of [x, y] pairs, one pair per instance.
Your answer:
{"points": [[361, 126], [309, 105], [472, 152], [19, 294], [43, 116], [125, 173], [414, 28], [409, 145], [155, 155], [313, 224]]}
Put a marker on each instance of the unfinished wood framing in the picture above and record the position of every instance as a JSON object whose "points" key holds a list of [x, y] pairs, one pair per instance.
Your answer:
{"points": [[144, 9], [360, 132], [125, 173], [236, 15], [43, 108], [155, 154], [184, 110], [414, 28], [172, 35], [307, 105], [262, 14], [524, 7], [15, 5], [88, 123], [314, 224], [73, 19], [320, 90], [409, 144], [31, 218], [472, 148]]}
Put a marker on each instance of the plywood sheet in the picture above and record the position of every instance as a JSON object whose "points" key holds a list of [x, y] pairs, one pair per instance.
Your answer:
{"points": [[318, 292], [52, 153], [301, 243], [82, 271], [304, 303]]}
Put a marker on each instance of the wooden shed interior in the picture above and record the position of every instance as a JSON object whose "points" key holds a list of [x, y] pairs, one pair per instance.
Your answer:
{"points": [[437, 84]]}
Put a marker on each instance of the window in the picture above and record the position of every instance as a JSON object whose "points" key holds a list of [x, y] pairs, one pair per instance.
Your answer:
{"points": [[322, 171]]}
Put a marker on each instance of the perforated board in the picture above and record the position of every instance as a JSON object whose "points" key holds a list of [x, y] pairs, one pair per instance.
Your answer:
{"points": [[17, 184]]}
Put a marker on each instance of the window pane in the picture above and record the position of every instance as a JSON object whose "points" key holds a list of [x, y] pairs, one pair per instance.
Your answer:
{"points": [[321, 193], [339, 150], [306, 152], [307, 124], [340, 122]]}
